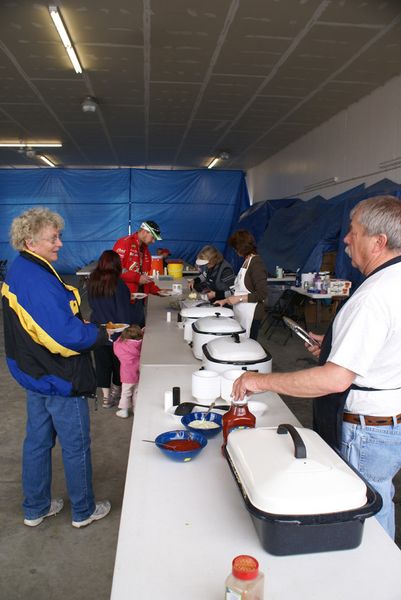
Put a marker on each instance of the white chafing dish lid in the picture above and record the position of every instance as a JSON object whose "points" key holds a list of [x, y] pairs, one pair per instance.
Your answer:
{"points": [[276, 482], [196, 312], [228, 350], [212, 325]]}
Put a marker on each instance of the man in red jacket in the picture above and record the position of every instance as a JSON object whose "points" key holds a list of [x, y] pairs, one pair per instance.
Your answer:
{"points": [[136, 259]]}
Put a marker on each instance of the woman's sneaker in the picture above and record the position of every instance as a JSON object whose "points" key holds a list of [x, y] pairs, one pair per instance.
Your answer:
{"points": [[55, 507], [123, 413], [102, 510], [107, 403]]}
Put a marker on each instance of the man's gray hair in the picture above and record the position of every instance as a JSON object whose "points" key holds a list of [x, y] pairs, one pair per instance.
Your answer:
{"points": [[381, 214], [30, 223]]}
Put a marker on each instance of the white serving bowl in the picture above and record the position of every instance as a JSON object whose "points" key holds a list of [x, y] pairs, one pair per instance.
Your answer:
{"points": [[205, 385]]}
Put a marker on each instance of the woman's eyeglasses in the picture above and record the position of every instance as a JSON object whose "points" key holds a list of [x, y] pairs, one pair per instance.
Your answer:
{"points": [[52, 240]]}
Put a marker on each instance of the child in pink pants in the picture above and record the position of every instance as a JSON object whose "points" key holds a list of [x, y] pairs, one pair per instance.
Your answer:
{"points": [[128, 350]]}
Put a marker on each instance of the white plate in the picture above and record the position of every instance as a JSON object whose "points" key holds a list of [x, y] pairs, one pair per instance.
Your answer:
{"points": [[118, 329], [138, 295], [166, 292]]}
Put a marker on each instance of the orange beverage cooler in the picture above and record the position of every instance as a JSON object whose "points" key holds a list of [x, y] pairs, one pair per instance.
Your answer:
{"points": [[157, 264]]}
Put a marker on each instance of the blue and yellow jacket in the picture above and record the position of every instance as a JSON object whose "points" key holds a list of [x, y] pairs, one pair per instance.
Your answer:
{"points": [[47, 344]]}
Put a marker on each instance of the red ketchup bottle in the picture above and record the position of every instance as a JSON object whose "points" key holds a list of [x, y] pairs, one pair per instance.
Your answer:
{"points": [[238, 417]]}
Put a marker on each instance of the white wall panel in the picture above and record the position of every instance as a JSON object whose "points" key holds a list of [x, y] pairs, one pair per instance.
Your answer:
{"points": [[349, 146]]}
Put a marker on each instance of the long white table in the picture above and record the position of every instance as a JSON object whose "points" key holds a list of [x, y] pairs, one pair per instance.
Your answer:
{"points": [[182, 524], [164, 342]]}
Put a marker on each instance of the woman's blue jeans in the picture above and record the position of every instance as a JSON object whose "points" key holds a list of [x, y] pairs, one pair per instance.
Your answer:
{"points": [[49, 417], [376, 453]]}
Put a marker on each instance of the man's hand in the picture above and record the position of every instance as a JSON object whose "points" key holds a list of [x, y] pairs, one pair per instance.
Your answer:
{"points": [[246, 384], [315, 350], [144, 278]]}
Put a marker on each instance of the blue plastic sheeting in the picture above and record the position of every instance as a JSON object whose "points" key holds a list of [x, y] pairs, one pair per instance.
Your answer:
{"points": [[343, 267], [256, 220], [297, 235], [193, 208]]}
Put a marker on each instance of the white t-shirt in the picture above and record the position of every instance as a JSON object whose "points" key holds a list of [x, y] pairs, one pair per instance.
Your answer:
{"points": [[367, 341]]}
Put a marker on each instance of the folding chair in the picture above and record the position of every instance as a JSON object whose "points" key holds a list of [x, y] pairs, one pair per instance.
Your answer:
{"points": [[290, 304]]}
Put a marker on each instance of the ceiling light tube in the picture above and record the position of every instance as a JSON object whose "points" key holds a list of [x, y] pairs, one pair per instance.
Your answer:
{"points": [[30, 144], [214, 162], [58, 22], [46, 160]]}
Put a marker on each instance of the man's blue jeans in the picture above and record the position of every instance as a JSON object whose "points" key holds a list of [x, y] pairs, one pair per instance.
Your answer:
{"points": [[376, 453], [49, 417]]}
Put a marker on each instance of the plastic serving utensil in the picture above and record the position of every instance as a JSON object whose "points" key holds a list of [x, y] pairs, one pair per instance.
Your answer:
{"points": [[186, 407]]}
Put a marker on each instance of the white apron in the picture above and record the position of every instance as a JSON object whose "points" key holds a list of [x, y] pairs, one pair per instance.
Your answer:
{"points": [[243, 311]]}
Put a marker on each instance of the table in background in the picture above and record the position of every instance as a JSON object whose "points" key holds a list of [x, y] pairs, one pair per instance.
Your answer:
{"points": [[318, 298], [86, 270], [276, 286], [182, 524], [83, 275], [286, 280]]}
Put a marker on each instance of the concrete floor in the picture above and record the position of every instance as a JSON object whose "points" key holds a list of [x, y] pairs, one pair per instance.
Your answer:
{"points": [[55, 560]]}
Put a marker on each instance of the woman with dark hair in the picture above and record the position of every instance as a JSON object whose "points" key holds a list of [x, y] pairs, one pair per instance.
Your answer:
{"points": [[250, 287], [110, 301]]}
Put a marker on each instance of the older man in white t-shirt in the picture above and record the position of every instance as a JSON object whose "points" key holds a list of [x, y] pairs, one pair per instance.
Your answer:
{"points": [[363, 366]]}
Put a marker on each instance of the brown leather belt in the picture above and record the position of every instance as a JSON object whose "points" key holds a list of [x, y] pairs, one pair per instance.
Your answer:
{"points": [[370, 421]]}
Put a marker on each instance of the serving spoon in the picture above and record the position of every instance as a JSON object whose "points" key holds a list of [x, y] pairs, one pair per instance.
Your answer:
{"points": [[186, 407]]}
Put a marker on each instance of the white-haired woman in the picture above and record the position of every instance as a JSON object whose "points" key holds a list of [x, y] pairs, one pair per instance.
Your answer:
{"points": [[48, 346]]}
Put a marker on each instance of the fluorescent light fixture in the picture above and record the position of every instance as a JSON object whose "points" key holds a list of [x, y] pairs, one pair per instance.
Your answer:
{"points": [[222, 156], [46, 160], [30, 144], [214, 162], [58, 22]]}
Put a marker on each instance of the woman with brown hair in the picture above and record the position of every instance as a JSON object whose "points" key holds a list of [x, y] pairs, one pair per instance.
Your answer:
{"points": [[250, 287], [110, 301]]}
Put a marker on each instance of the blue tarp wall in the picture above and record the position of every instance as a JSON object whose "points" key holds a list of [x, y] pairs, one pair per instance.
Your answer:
{"points": [[256, 219], [193, 208], [293, 234]]}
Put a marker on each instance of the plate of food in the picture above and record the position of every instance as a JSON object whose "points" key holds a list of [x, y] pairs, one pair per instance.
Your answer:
{"points": [[116, 327], [138, 296]]}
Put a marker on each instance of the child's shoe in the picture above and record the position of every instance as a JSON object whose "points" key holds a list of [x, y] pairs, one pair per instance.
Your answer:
{"points": [[123, 413]]}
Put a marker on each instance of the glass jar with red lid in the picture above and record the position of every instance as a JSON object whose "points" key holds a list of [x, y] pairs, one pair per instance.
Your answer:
{"points": [[245, 581]]}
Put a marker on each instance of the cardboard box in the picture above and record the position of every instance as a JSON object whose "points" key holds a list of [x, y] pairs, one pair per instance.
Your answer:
{"points": [[340, 287]]}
